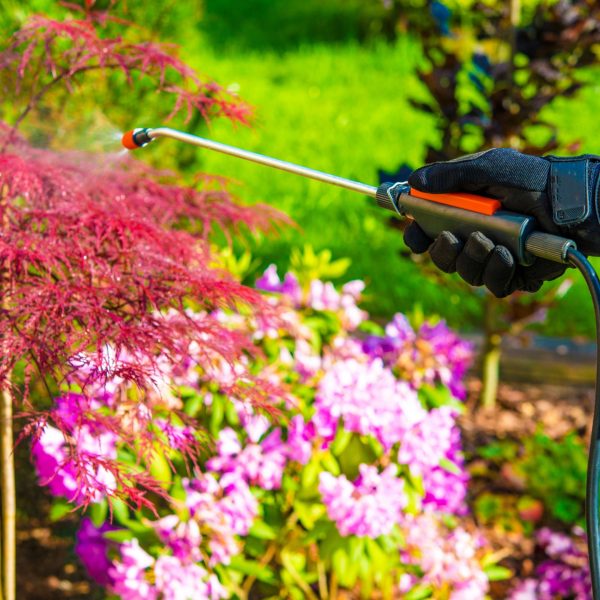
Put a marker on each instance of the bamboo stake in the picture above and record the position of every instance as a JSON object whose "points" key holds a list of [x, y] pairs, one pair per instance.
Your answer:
{"points": [[7, 466], [8, 496]]}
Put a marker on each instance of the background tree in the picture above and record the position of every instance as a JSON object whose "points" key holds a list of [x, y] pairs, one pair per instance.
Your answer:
{"points": [[491, 69]]}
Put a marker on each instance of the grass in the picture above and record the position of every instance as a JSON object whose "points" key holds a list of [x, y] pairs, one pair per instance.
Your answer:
{"points": [[345, 110]]}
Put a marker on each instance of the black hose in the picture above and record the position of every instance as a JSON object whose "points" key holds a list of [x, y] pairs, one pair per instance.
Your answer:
{"points": [[592, 517]]}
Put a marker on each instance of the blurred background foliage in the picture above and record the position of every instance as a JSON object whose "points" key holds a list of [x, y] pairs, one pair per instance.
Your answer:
{"points": [[333, 85]]}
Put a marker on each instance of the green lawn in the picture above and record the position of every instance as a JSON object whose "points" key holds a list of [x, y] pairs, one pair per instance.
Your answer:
{"points": [[344, 110]]}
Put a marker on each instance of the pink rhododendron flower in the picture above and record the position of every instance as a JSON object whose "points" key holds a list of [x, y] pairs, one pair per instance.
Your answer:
{"points": [[256, 425], [368, 399], [433, 355], [177, 580], [324, 296], [178, 436], [448, 560], [63, 474], [299, 445], [182, 537], [452, 355], [170, 578], [224, 507], [128, 575], [353, 289], [259, 464], [52, 465], [428, 441], [270, 282], [446, 491], [423, 448], [307, 361], [367, 507], [525, 590]]}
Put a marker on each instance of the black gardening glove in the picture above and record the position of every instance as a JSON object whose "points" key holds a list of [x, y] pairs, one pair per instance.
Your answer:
{"points": [[561, 193]]}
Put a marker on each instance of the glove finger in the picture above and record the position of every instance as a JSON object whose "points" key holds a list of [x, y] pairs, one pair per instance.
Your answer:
{"points": [[531, 279], [503, 167], [445, 250], [470, 263], [499, 272], [416, 239]]}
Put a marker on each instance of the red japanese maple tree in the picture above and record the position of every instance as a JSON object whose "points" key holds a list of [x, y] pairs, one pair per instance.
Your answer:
{"points": [[94, 258]]}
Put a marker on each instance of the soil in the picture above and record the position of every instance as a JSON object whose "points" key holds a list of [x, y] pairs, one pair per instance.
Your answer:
{"points": [[48, 569]]}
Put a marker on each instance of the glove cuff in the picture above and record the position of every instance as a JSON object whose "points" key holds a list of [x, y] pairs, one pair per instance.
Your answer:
{"points": [[570, 190]]}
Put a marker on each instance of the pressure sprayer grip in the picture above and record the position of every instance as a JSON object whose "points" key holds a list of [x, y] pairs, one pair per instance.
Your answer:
{"points": [[462, 214]]}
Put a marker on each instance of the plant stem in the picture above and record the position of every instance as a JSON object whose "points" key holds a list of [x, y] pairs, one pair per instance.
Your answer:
{"points": [[322, 580], [308, 593], [266, 559], [333, 588], [8, 494]]}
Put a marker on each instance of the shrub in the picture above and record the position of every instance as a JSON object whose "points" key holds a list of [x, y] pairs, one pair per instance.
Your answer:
{"points": [[357, 481]]}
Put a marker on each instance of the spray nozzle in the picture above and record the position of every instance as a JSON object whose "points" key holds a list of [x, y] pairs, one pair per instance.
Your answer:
{"points": [[136, 138]]}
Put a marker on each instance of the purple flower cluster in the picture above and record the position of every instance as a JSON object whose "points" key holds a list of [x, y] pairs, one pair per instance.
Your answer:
{"points": [[78, 472], [433, 354], [321, 295], [368, 388], [368, 399], [370, 506], [270, 282], [183, 538], [300, 440], [425, 448], [224, 507], [306, 361], [176, 580], [128, 575], [138, 576], [92, 549], [260, 464], [564, 575], [448, 559], [219, 510]]}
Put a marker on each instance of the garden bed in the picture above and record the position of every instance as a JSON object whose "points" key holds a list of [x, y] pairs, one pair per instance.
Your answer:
{"points": [[49, 570]]}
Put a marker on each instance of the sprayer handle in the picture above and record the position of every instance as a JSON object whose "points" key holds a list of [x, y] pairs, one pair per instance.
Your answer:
{"points": [[462, 214]]}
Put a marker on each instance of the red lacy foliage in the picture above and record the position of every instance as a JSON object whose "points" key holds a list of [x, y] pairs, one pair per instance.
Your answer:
{"points": [[45, 52], [92, 259], [97, 254]]}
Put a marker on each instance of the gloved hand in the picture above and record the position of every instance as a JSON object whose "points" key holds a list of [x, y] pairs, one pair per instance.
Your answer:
{"points": [[561, 193]]}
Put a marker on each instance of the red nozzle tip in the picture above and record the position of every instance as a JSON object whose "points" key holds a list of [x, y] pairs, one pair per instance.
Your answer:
{"points": [[129, 141]]}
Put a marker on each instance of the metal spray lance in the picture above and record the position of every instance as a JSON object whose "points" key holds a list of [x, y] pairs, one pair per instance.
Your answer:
{"points": [[460, 213]]}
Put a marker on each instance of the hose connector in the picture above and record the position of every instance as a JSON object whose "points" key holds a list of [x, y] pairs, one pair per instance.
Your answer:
{"points": [[136, 138]]}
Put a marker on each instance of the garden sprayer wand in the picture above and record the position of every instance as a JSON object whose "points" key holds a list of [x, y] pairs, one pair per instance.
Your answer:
{"points": [[461, 214]]}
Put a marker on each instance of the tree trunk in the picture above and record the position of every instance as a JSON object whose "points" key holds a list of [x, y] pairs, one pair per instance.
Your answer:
{"points": [[8, 496], [491, 371], [490, 365]]}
